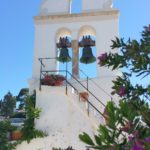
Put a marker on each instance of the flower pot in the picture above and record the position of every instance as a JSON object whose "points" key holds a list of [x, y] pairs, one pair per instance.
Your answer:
{"points": [[84, 96], [16, 135]]}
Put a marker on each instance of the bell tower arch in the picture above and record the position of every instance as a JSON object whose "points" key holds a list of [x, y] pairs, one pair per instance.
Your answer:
{"points": [[87, 32], [97, 19], [63, 33]]}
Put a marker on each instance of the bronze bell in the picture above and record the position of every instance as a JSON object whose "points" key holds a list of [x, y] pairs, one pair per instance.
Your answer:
{"points": [[64, 55], [87, 56]]}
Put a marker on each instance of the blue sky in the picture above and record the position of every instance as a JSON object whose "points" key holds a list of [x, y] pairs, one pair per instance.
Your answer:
{"points": [[17, 36]]}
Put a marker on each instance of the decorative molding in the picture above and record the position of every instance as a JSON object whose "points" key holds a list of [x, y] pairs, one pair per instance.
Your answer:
{"points": [[88, 16]]}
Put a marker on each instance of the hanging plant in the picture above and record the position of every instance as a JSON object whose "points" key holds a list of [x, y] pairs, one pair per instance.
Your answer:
{"points": [[84, 96]]}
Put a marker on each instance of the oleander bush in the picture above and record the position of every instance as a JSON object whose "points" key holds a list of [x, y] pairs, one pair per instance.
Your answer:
{"points": [[128, 124]]}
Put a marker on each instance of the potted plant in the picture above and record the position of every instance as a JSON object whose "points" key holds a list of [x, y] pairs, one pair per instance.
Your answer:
{"points": [[84, 96], [16, 134], [52, 80]]}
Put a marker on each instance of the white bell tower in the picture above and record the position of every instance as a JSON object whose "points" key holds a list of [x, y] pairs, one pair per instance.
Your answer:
{"points": [[62, 114], [97, 19]]}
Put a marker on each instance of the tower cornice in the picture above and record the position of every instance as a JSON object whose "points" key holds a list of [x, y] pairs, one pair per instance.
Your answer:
{"points": [[86, 16]]}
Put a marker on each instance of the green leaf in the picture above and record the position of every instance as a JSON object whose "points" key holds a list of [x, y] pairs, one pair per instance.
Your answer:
{"points": [[86, 139], [98, 140]]}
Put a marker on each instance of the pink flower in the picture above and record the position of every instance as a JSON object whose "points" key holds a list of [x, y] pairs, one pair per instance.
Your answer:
{"points": [[102, 58], [137, 147], [139, 142], [122, 91], [147, 140], [130, 137]]}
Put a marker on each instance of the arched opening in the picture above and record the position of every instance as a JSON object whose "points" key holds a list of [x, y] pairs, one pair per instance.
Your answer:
{"points": [[63, 33], [88, 68], [87, 30]]}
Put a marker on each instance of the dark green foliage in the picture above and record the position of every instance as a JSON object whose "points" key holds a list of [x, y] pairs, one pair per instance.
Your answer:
{"points": [[5, 129], [32, 113], [112, 136], [29, 131], [134, 55], [128, 124], [69, 148], [19, 115], [8, 104], [1, 107], [22, 97], [86, 138]]}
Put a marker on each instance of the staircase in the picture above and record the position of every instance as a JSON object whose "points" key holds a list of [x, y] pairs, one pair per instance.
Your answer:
{"points": [[93, 106], [64, 113]]}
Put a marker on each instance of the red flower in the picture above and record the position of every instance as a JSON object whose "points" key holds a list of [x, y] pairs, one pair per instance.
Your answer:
{"points": [[53, 80]]}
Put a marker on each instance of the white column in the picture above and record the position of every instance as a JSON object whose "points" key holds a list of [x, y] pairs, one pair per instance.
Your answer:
{"points": [[75, 58], [70, 6]]}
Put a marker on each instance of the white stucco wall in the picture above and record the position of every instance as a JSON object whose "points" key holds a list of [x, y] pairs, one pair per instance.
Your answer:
{"points": [[96, 5], [46, 29], [61, 118], [103, 25], [54, 7], [64, 117]]}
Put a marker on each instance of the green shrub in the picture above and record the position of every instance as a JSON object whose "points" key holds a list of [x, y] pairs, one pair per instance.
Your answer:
{"points": [[32, 113]]}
